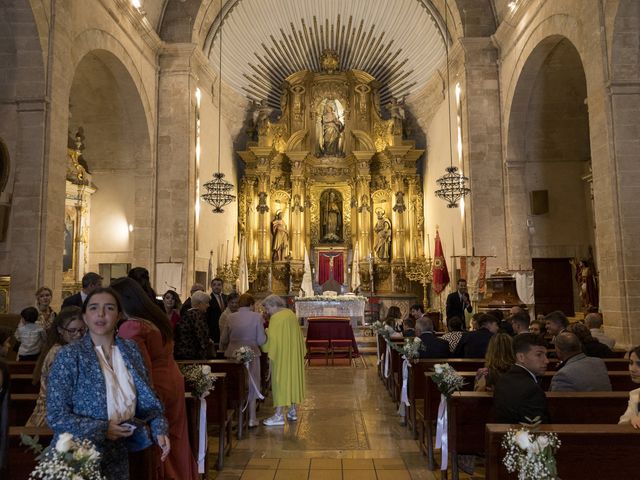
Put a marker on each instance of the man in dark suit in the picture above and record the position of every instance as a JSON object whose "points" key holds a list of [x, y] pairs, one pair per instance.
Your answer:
{"points": [[518, 396], [90, 282], [432, 346], [474, 344], [458, 302], [196, 287], [216, 306], [578, 372]]}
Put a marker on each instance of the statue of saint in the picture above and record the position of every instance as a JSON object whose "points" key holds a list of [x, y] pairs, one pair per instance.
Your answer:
{"points": [[331, 216], [382, 230], [332, 129], [280, 237], [587, 283]]}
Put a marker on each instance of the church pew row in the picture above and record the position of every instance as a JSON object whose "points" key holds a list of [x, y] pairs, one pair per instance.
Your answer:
{"points": [[21, 407], [20, 460], [470, 412], [23, 383], [587, 451], [236, 385], [219, 417], [21, 367], [426, 408]]}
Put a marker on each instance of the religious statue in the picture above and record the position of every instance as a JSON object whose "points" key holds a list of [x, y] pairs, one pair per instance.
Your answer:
{"points": [[382, 230], [587, 283], [331, 216], [332, 129], [280, 237]]}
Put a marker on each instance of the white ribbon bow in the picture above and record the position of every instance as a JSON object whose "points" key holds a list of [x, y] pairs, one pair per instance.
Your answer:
{"points": [[442, 439], [404, 398], [387, 359], [252, 387], [202, 434]]}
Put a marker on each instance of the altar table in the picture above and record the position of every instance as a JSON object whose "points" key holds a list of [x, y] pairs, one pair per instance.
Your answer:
{"points": [[327, 328], [354, 309]]}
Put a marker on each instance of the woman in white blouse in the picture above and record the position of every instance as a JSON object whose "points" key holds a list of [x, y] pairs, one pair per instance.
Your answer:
{"points": [[632, 415], [99, 390]]}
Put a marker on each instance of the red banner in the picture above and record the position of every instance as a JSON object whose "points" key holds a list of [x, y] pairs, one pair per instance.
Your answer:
{"points": [[440, 273]]}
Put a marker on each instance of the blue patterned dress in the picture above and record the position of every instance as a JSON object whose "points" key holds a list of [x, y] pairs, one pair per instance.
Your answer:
{"points": [[77, 401]]}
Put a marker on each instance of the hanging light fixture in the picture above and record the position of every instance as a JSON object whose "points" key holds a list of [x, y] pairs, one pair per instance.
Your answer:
{"points": [[453, 184], [219, 191]]}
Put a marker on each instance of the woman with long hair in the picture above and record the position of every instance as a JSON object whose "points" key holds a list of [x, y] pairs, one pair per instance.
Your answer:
{"points": [[632, 415], [149, 327], [67, 327], [172, 305], [498, 360], [98, 389], [46, 315]]}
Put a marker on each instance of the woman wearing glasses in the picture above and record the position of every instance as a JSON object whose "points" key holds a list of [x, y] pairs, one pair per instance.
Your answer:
{"points": [[67, 327]]}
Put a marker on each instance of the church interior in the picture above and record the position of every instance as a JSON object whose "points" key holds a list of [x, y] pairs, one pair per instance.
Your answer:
{"points": [[373, 149]]}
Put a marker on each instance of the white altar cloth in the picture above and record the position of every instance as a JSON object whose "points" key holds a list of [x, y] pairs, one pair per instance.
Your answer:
{"points": [[332, 308]]}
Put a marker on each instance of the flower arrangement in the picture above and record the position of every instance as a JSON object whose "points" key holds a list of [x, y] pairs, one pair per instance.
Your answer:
{"points": [[334, 298], [447, 379], [411, 348], [198, 378], [244, 354], [69, 459], [530, 454]]}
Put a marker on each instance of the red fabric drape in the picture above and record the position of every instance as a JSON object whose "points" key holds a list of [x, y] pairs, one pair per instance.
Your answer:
{"points": [[324, 268], [338, 269], [323, 271]]}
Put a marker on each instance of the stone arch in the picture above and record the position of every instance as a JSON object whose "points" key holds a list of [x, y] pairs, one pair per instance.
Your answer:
{"points": [[111, 106]]}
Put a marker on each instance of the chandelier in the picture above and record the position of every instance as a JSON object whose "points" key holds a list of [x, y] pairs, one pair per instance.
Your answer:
{"points": [[453, 184], [219, 191]]}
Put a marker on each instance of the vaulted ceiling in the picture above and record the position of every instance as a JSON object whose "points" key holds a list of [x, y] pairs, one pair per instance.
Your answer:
{"points": [[400, 42]]}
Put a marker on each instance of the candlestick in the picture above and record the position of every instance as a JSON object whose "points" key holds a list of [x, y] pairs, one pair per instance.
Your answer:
{"points": [[226, 254], [233, 255]]}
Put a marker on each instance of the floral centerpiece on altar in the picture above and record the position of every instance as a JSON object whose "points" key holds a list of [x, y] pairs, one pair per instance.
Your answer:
{"points": [[69, 459], [531, 454], [198, 378], [334, 298], [447, 379]]}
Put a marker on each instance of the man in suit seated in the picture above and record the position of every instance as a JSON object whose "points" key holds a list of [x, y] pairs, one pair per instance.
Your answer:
{"points": [[518, 397], [90, 282], [556, 323], [458, 302], [432, 346], [578, 373], [474, 344], [520, 322]]}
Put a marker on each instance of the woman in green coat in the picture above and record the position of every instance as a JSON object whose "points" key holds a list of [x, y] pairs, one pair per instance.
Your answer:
{"points": [[286, 350]]}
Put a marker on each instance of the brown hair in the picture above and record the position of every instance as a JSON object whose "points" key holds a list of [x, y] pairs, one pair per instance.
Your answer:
{"points": [[246, 300], [499, 357]]}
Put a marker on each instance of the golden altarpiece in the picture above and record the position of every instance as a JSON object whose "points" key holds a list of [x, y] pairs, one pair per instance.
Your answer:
{"points": [[333, 178]]}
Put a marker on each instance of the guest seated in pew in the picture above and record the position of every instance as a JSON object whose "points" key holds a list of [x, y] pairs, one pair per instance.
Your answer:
{"points": [[394, 319], [244, 328], [520, 322], [286, 350], [475, 344], [590, 346], [556, 322], [67, 327], [192, 333], [409, 327], [578, 373], [30, 334], [454, 333], [6, 334], [432, 346], [504, 324], [99, 387], [517, 395], [147, 325], [498, 360], [632, 414], [593, 321]]}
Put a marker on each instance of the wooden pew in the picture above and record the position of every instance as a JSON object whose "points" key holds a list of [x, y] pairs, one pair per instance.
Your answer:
{"points": [[23, 383], [21, 367], [469, 413], [21, 407], [587, 451], [21, 461], [236, 385], [218, 416]]}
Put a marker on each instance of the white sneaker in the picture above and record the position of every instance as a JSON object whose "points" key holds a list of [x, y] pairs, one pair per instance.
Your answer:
{"points": [[276, 419], [292, 415]]}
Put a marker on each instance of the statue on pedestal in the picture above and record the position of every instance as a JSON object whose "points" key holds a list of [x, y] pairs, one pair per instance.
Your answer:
{"points": [[331, 216], [280, 237], [332, 129], [382, 229]]}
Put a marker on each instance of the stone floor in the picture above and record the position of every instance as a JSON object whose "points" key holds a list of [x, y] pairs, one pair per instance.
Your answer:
{"points": [[347, 429]]}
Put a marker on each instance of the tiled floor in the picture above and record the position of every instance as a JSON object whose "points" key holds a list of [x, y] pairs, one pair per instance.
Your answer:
{"points": [[347, 429]]}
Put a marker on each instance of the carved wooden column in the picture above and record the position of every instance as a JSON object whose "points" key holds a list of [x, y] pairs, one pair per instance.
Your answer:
{"points": [[297, 209]]}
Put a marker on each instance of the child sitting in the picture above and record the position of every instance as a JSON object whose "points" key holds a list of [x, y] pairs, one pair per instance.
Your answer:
{"points": [[30, 334]]}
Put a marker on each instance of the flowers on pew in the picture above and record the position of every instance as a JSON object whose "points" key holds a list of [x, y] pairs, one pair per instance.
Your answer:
{"points": [[380, 328], [531, 454], [69, 459], [244, 355], [411, 348], [447, 379], [198, 379]]}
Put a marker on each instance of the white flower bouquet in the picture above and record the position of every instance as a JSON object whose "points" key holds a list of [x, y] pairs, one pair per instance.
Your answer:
{"points": [[411, 348], [198, 378], [244, 354], [447, 379], [69, 459], [531, 454]]}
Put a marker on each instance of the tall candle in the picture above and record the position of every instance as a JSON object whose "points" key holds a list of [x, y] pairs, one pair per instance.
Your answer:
{"points": [[226, 254], [233, 255]]}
